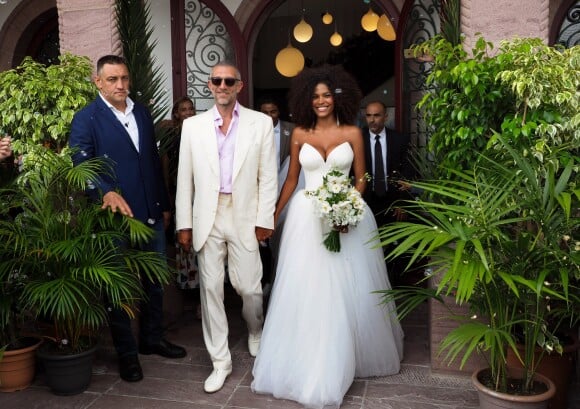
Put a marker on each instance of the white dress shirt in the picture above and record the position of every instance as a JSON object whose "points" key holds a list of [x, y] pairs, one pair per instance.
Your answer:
{"points": [[127, 118]]}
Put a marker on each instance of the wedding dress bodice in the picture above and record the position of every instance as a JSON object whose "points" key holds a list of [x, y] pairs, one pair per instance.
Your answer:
{"points": [[315, 167]]}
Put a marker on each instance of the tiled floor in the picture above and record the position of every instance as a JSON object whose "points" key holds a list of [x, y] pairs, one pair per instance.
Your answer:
{"points": [[178, 384]]}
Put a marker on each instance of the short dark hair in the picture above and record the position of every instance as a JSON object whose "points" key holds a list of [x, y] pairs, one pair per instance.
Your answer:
{"points": [[342, 85], [110, 59], [268, 100], [381, 103], [226, 63]]}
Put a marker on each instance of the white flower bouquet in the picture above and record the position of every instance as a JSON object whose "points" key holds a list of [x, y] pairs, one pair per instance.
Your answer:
{"points": [[339, 204]]}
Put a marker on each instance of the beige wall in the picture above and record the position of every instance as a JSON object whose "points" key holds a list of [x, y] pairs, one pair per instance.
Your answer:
{"points": [[87, 27], [500, 19]]}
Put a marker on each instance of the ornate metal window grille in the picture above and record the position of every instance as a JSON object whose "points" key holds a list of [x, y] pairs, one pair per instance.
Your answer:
{"points": [[423, 23], [206, 43], [569, 34]]}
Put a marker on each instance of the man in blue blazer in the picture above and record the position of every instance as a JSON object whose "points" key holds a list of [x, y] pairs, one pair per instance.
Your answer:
{"points": [[115, 127]]}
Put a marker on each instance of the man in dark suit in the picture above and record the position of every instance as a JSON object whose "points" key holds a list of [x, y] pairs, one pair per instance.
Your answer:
{"points": [[282, 129], [282, 132], [386, 156], [115, 127]]}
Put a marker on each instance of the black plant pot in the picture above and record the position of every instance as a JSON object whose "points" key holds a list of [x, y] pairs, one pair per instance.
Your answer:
{"points": [[67, 374]]}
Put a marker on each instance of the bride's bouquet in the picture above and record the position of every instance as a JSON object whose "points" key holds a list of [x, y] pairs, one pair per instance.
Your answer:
{"points": [[339, 204]]}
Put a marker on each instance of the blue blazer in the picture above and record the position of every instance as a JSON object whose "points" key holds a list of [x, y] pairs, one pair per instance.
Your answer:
{"points": [[137, 176]]}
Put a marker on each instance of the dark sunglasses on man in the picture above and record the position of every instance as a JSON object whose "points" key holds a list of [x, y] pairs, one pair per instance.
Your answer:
{"points": [[217, 81]]}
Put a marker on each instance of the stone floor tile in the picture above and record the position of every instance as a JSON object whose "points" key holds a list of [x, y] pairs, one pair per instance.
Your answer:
{"points": [[243, 397], [133, 402]]}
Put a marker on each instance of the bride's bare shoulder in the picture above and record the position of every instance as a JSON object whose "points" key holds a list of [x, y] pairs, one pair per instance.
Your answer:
{"points": [[351, 132], [299, 135]]}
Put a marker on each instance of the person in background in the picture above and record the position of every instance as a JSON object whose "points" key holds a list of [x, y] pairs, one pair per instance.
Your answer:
{"points": [[115, 127], [171, 133], [226, 194], [282, 129], [387, 162], [282, 132], [185, 262]]}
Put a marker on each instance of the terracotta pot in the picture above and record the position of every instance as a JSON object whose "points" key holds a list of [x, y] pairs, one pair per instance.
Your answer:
{"points": [[17, 367], [490, 399], [559, 368]]}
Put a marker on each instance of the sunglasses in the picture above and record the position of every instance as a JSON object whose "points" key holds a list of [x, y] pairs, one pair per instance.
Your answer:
{"points": [[217, 81]]}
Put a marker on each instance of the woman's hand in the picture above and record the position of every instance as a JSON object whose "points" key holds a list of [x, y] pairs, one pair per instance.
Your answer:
{"points": [[341, 229]]}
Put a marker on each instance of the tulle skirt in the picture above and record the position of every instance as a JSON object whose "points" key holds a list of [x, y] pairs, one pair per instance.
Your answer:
{"points": [[324, 325]]}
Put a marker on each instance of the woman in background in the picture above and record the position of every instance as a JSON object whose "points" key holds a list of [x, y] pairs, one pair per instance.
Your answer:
{"points": [[185, 263]]}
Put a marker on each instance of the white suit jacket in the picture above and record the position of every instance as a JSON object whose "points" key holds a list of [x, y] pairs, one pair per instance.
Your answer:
{"points": [[254, 179]]}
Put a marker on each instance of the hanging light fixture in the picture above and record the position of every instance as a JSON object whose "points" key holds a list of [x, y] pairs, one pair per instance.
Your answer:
{"points": [[289, 61], [327, 18], [303, 31], [369, 20], [385, 29], [336, 38]]}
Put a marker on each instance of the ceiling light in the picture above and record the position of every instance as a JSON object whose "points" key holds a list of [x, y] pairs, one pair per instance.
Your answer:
{"points": [[385, 29], [369, 20], [303, 31], [289, 61]]}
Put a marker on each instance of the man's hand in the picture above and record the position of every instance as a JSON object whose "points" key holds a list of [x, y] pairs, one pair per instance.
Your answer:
{"points": [[116, 203], [263, 234], [166, 220], [5, 147], [399, 214], [184, 238], [403, 185]]}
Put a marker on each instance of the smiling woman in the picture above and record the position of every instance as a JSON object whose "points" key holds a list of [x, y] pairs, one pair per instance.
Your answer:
{"points": [[330, 328]]}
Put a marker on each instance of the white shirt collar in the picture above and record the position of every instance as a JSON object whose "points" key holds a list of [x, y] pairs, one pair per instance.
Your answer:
{"points": [[128, 101]]}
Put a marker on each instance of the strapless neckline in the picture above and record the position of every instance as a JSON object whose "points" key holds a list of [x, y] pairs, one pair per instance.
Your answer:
{"points": [[325, 160]]}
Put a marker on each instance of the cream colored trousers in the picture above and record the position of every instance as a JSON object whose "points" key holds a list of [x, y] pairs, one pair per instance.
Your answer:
{"points": [[245, 273]]}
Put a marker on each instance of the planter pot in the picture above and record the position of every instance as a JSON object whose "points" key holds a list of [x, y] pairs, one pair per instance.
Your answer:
{"points": [[17, 367], [559, 368], [490, 399], [67, 374]]}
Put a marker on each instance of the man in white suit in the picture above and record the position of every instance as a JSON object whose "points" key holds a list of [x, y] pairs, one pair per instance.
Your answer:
{"points": [[226, 195]]}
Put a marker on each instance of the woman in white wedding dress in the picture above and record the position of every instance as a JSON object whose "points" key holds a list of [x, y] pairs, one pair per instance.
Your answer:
{"points": [[324, 325]]}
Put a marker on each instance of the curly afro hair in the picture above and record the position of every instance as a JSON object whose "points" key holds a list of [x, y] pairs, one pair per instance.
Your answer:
{"points": [[344, 88]]}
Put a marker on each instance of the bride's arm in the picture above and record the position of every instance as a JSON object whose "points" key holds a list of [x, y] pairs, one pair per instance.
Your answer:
{"points": [[358, 164], [292, 176]]}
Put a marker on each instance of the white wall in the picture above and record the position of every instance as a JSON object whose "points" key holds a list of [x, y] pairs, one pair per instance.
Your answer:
{"points": [[161, 23]]}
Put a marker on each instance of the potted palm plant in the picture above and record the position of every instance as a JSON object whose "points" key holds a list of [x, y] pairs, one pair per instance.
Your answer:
{"points": [[67, 252], [36, 105], [73, 255], [500, 223]]}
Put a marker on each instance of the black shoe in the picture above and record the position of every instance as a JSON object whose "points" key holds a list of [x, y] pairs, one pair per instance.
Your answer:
{"points": [[163, 348], [130, 369]]}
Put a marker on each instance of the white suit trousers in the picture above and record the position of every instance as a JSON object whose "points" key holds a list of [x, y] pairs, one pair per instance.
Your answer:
{"points": [[245, 273]]}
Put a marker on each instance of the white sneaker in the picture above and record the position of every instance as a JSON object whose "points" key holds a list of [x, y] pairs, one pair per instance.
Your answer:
{"points": [[254, 343], [215, 381]]}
